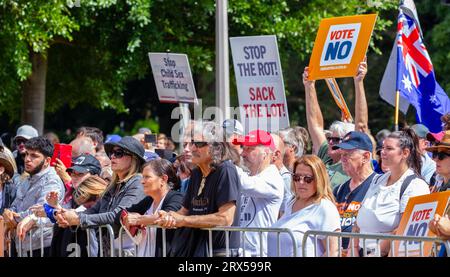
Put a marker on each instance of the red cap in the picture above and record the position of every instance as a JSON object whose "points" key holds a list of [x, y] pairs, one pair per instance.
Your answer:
{"points": [[435, 137], [254, 138]]}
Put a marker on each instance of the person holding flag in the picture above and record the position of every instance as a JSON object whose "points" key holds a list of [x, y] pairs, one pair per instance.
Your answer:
{"points": [[415, 78]]}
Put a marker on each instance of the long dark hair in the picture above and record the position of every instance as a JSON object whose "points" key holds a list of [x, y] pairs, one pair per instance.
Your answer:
{"points": [[222, 151], [407, 138], [164, 167]]}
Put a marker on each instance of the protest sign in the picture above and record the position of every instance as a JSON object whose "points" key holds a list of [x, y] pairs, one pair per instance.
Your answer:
{"points": [[259, 81], [173, 78], [418, 213], [341, 44]]}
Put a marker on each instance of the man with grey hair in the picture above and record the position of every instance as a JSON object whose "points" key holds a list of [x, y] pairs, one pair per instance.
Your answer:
{"points": [[356, 158], [262, 190], [322, 146], [82, 145], [212, 197]]}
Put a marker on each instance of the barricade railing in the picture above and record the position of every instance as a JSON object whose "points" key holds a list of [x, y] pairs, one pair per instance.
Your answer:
{"points": [[370, 236], [30, 242], [227, 231], [2, 236], [101, 251], [243, 230], [136, 247]]}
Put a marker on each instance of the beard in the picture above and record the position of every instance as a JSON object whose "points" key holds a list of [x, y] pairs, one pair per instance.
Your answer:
{"points": [[37, 169]]}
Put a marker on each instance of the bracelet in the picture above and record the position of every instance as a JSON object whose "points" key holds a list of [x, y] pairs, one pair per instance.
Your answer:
{"points": [[50, 212]]}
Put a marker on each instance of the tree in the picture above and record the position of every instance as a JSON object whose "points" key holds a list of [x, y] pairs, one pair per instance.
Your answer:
{"points": [[87, 54]]}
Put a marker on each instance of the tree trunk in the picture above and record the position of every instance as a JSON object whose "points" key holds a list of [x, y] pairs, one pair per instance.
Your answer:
{"points": [[33, 101]]}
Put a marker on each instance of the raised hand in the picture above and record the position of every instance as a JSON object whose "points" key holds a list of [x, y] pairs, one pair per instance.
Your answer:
{"points": [[362, 70], [305, 76]]}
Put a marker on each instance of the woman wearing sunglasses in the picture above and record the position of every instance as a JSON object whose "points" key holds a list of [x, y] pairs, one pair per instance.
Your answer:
{"points": [[127, 156], [441, 155], [388, 194], [312, 208]]}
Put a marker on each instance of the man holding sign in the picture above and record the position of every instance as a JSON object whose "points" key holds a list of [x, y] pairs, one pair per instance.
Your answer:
{"points": [[322, 146]]}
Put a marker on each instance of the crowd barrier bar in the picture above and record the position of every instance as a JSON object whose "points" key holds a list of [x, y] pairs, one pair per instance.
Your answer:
{"points": [[110, 231], [227, 231], [260, 231], [30, 234], [376, 237], [147, 230], [2, 237]]}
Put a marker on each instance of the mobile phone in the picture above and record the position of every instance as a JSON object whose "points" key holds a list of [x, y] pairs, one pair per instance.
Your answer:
{"points": [[150, 138], [62, 152]]}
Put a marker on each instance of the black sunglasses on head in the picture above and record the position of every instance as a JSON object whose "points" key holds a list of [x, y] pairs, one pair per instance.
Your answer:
{"points": [[440, 155]]}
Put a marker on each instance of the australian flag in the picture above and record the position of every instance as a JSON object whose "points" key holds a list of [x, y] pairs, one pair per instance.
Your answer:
{"points": [[415, 75]]}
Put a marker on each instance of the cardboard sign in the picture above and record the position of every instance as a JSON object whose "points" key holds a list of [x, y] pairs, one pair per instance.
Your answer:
{"points": [[173, 78], [341, 44], [259, 81], [418, 213]]}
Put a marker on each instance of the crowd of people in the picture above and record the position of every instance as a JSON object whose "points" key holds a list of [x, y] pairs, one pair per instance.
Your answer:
{"points": [[340, 180]]}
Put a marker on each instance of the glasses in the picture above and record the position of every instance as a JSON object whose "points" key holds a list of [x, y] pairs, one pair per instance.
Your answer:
{"points": [[118, 154], [440, 155], [198, 144], [334, 140], [20, 141], [306, 179]]}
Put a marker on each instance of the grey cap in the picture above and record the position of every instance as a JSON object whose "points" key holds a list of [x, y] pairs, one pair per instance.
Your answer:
{"points": [[420, 130], [232, 126], [26, 132]]}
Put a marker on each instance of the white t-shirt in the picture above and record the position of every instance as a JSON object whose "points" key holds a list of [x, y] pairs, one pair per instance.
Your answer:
{"points": [[261, 199], [147, 246], [382, 207], [322, 216]]}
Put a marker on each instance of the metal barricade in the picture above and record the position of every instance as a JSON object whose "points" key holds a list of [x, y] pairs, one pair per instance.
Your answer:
{"points": [[30, 234], [101, 251], [377, 237], [147, 230], [243, 230]]}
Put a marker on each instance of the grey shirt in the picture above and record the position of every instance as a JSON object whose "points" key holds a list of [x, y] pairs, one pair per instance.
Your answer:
{"points": [[31, 191]]}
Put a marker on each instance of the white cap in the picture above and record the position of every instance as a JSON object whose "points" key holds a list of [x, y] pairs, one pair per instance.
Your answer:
{"points": [[232, 126], [26, 132]]}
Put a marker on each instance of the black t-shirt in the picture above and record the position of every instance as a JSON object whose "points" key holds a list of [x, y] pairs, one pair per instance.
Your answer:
{"points": [[348, 204], [221, 186]]}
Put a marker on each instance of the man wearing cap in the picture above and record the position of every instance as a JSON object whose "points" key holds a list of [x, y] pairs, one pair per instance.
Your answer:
{"points": [[42, 180], [356, 159], [24, 133], [428, 165], [262, 189]]}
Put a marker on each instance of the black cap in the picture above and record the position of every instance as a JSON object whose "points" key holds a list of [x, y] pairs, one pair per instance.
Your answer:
{"points": [[128, 144], [355, 140], [86, 163]]}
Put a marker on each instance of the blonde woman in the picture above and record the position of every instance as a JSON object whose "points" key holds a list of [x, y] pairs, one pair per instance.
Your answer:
{"points": [[311, 208]]}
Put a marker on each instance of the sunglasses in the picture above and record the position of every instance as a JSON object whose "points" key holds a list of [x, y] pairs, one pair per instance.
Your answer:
{"points": [[440, 155], [20, 141], [118, 154], [198, 144], [306, 179], [334, 140]]}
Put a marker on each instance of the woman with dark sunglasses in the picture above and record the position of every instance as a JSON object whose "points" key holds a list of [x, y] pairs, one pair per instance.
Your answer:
{"points": [[441, 155], [312, 208], [127, 156]]}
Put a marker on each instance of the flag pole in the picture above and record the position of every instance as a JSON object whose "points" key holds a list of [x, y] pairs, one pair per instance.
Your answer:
{"points": [[397, 106]]}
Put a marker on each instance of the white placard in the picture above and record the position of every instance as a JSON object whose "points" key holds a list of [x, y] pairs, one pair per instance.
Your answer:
{"points": [[173, 78], [259, 81]]}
